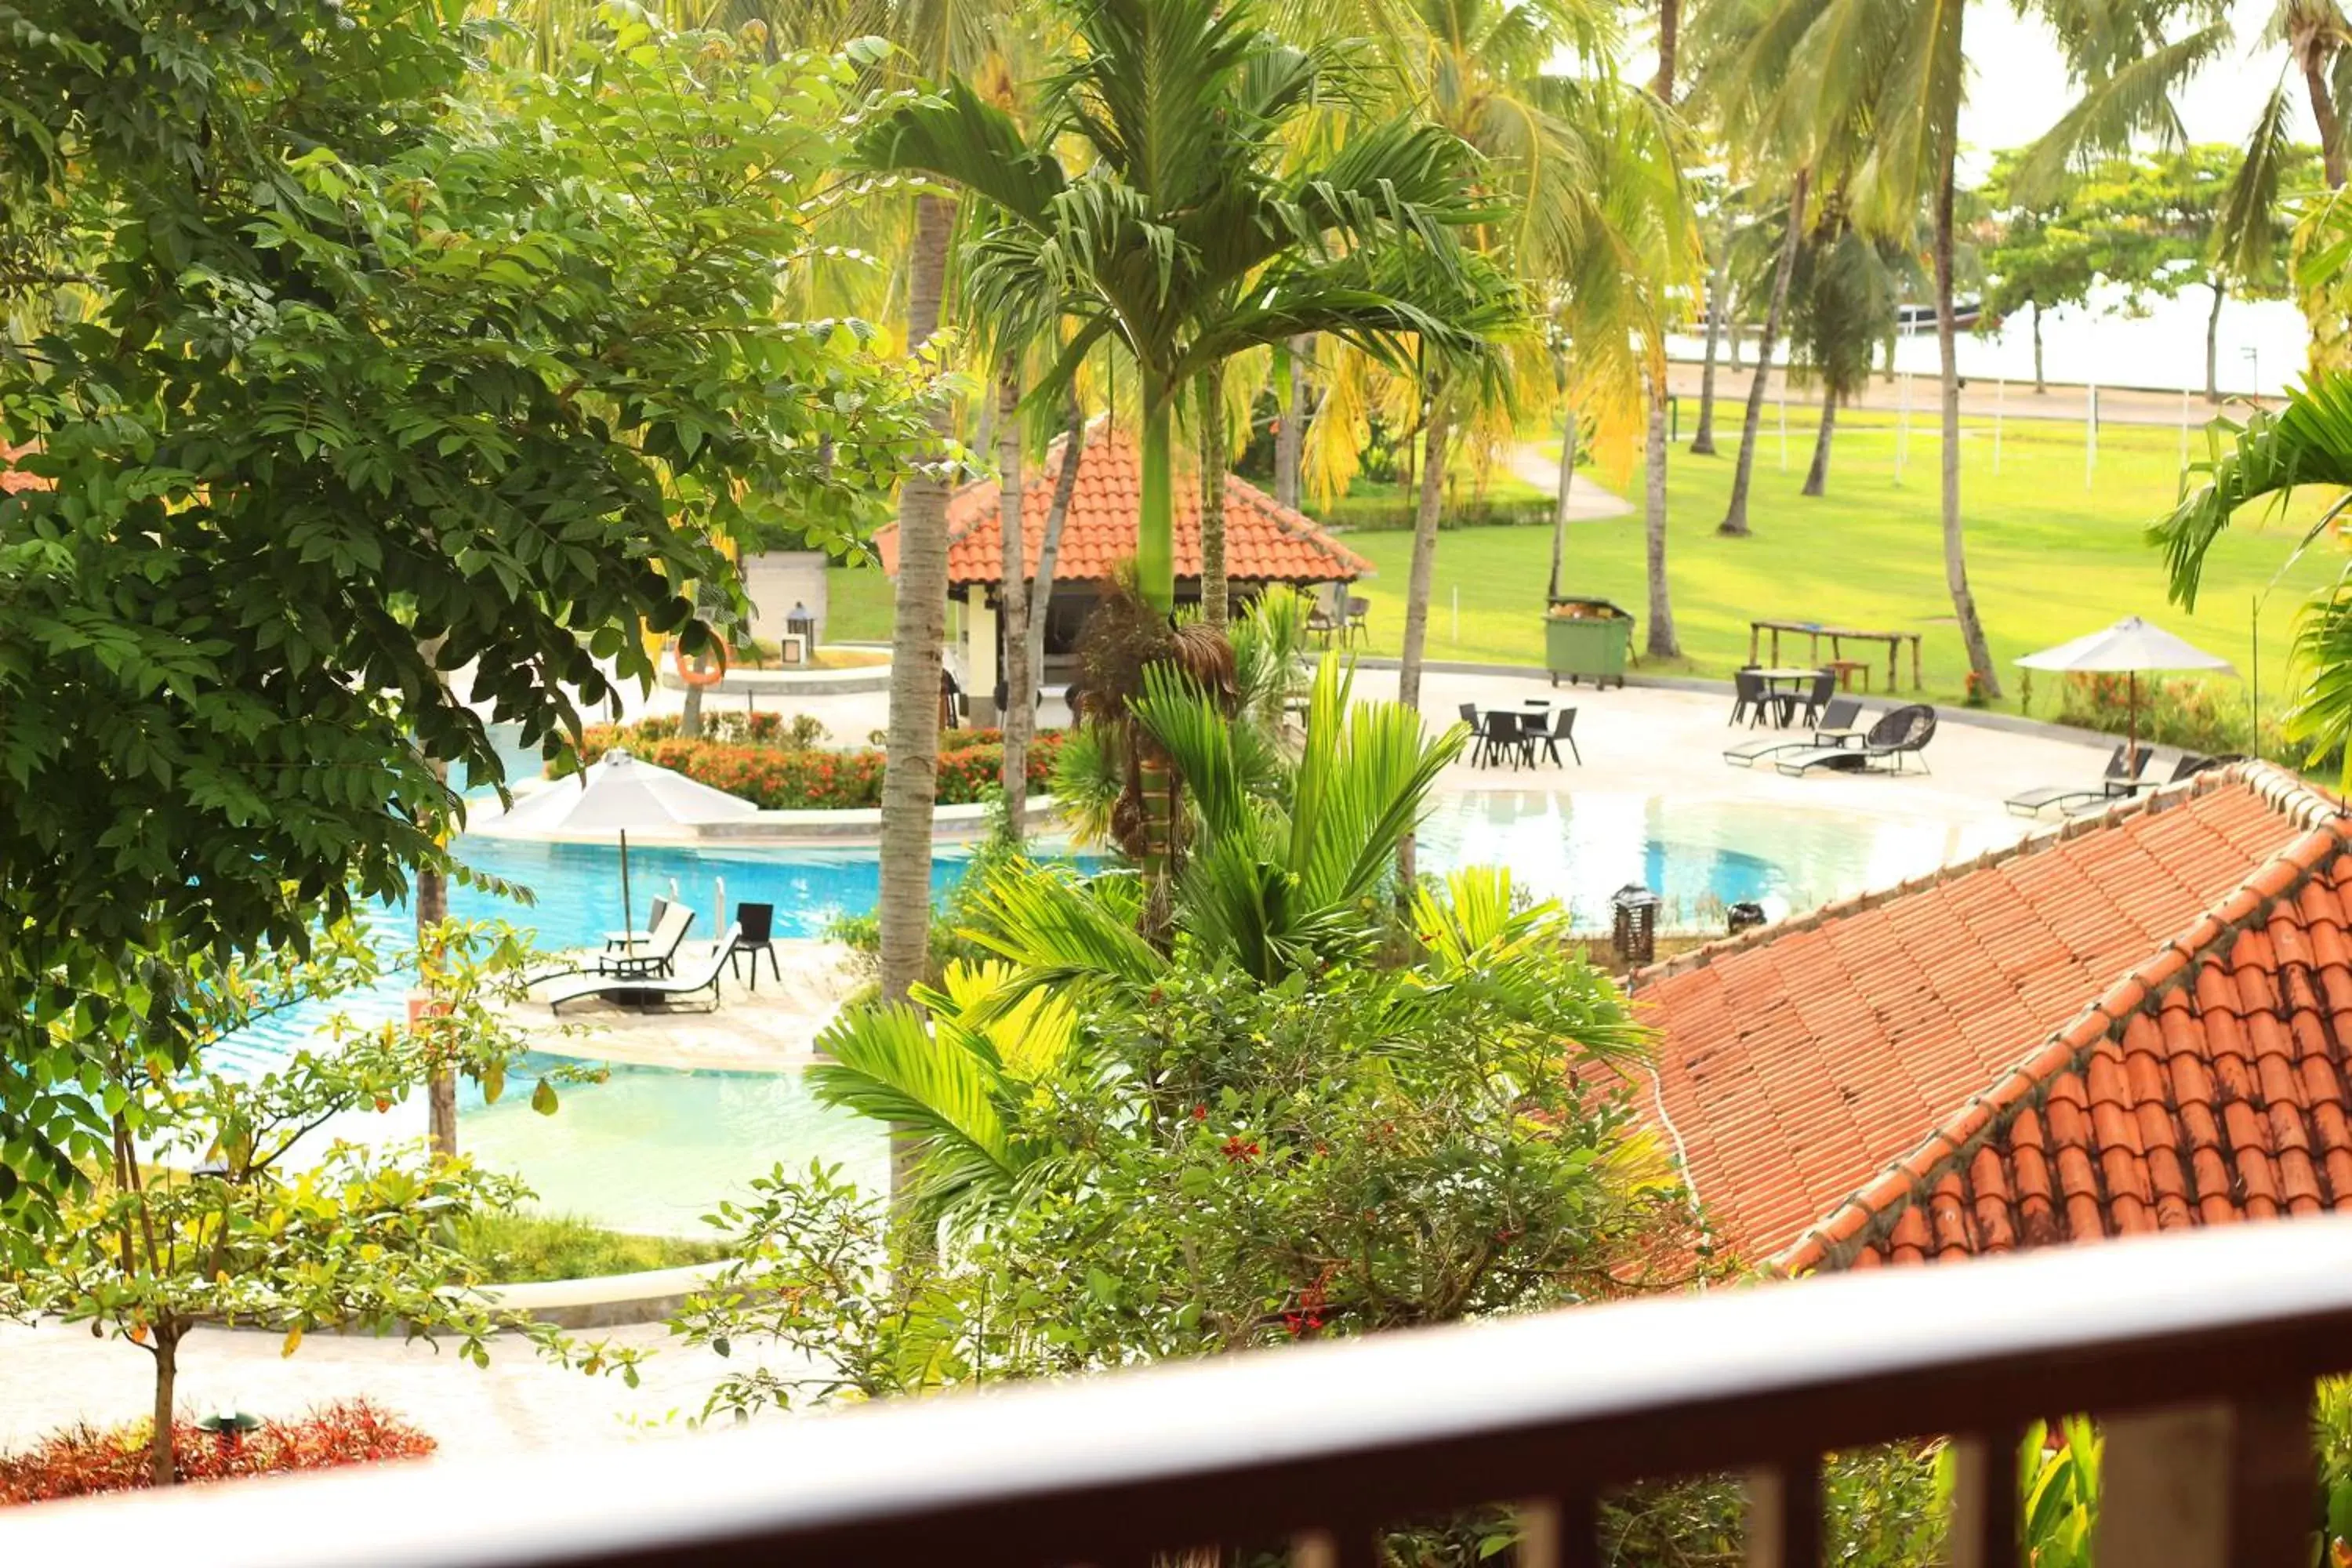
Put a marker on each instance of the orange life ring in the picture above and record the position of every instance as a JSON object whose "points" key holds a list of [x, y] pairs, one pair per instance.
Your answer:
{"points": [[710, 676]]}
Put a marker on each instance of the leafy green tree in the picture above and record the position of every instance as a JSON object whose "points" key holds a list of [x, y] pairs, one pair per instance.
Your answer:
{"points": [[2037, 260], [207, 1216], [371, 370]]}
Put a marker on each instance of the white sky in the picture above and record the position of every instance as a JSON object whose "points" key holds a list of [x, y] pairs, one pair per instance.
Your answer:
{"points": [[2018, 89], [2018, 86]]}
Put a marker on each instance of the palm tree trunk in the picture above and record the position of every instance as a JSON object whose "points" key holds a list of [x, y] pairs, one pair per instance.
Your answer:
{"points": [[910, 781], [1735, 517], [1290, 437], [1155, 522], [1058, 511], [2040, 385], [1817, 478], [1208, 389], [1955, 564], [689, 717], [1662, 643], [1417, 583], [1020, 710], [2323, 115], [2213, 343], [1731, 326], [1568, 441], [432, 901], [1717, 297]]}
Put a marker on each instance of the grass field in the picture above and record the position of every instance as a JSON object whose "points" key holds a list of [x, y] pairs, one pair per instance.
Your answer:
{"points": [[2049, 557]]}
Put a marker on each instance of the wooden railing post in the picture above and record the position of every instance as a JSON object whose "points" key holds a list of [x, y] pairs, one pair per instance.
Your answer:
{"points": [[1784, 1515], [1984, 1501], [2208, 1486]]}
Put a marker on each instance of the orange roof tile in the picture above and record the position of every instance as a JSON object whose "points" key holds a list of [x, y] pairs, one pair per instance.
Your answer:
{"points": [[1265, 540], [2133, 1022], [13, 479]]}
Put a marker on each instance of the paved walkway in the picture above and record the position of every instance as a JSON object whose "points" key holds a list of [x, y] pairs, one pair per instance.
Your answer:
{"points": [[1979, 398]]}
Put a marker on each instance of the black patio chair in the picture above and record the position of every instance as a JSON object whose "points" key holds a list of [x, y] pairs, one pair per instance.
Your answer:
{"points": [[1357, 609], [1812, 699], [1747, 698], [755, 934], [1500, 731], [1563, 727]]}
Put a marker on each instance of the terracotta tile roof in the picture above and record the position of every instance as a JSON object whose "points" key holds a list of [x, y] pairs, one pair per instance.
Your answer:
{"points": [[1265, 540], [2135, 1020], [13, 479]]}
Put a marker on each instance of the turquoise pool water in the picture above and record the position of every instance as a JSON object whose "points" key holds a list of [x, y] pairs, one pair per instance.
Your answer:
{"points": [[653, 1151], [1698, 856]]}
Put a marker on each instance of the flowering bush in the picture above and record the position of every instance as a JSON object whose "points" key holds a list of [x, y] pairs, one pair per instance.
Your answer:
{"points": [[777, 776], [2195, 715], [83, 1460]]}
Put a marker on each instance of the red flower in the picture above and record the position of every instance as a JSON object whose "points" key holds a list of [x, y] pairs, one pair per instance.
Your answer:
{"points": [[1200, 1113], [1235, 1149]]}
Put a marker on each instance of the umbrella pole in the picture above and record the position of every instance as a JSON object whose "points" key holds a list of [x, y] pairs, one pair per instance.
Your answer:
{"points": [[628, 922], [2131, 733]]}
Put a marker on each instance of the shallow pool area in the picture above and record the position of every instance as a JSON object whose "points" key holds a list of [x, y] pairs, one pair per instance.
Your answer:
{"points": [[1699, 855], [653, 1150]]}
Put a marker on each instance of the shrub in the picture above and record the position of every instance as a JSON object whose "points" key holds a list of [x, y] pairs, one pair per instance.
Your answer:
{"points": [[2195, 715], [778, 775], [84, 1460]]}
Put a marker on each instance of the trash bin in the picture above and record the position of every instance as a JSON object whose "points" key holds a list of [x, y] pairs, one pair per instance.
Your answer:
{"points": [[1587, 638]]}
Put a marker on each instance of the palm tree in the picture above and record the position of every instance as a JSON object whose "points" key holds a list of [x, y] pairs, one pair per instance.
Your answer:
{"points": [[1183, 239], [1735, 515], [1841, 306], [1588, 174], [2308, 442]]}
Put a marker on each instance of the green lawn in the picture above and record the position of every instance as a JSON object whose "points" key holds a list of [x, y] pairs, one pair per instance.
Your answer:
{"points": [[857, 605], [2048, 558]]}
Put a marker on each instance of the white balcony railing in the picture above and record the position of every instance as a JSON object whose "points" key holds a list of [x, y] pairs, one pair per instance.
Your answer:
{"points": [[2198, 1352]]}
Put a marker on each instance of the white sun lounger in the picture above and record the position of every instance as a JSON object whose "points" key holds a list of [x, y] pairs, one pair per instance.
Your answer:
{"points": [[645, 989]]}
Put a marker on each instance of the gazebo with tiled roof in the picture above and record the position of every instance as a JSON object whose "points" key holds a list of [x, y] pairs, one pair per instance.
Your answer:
{"points": [[2135, 1022], [1266, 544]]}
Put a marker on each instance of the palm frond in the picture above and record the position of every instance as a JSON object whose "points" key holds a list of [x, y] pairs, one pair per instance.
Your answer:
{"points": [[2308, 442]]}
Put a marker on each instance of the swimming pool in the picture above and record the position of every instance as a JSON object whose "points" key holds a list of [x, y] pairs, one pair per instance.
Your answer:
{"points": [[653, 1150], [1698, 856]]}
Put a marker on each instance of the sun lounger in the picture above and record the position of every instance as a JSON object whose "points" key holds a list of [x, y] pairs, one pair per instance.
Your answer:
{"points": [[1886, 746], [2120, 779], [645, 989], [1836, 729], [660, 951]]}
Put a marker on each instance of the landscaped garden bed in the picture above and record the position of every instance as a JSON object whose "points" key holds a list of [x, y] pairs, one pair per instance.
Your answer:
{"points": [[779, 765], [82, 1461]]}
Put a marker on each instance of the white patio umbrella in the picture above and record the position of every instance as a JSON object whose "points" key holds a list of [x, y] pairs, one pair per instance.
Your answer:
{"points": [[2126, 648], [617, 792]]}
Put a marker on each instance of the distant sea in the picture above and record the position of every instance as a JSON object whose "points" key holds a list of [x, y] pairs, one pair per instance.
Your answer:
{"points": [[2262, 346]]}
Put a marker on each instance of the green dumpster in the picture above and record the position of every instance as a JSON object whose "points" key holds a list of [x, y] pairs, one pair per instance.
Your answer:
{"points": [[1587, 638]]}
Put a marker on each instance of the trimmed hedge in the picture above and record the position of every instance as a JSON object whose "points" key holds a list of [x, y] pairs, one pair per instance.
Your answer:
{"points": [[789, 778]]}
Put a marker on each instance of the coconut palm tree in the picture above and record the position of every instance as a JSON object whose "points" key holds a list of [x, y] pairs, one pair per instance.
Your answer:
{"points": [[1184, 238], [1841, 306]]}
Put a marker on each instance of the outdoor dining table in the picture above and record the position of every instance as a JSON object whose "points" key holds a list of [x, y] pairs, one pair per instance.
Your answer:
{"points": [[1783, 683]]}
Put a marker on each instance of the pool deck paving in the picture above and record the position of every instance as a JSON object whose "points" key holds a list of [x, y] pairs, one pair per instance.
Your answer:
{"points": [[1641, 741], [767, 1019]]}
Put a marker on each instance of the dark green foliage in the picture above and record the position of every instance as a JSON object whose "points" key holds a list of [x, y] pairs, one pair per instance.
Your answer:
{"points": [[371, 387]]}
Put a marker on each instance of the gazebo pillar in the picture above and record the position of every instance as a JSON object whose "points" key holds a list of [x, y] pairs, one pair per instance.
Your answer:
{"points": [[980, 654]]}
